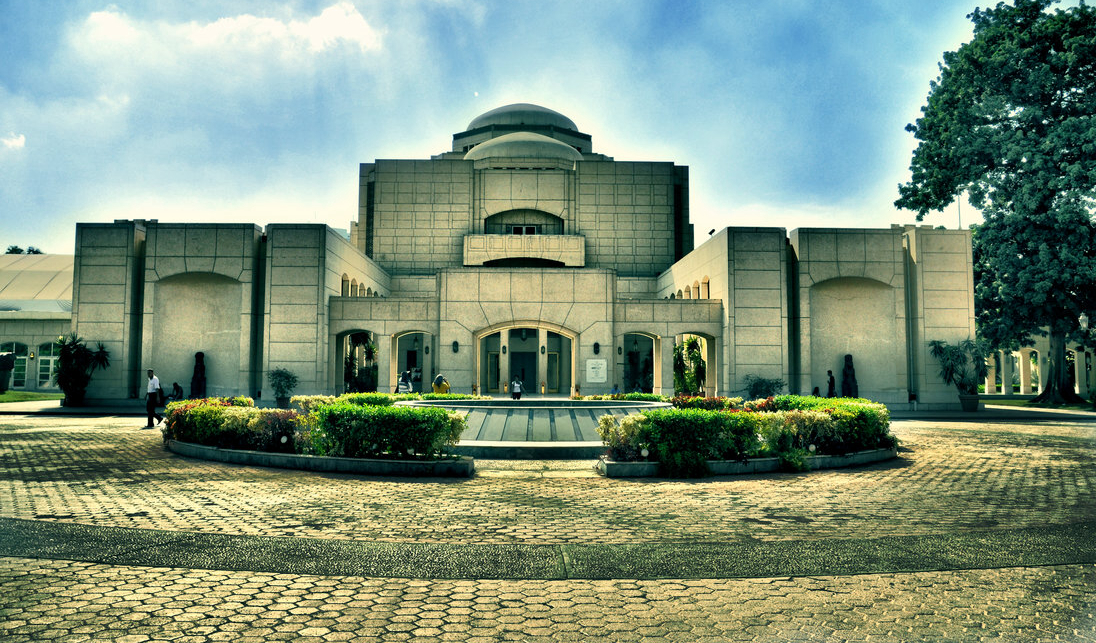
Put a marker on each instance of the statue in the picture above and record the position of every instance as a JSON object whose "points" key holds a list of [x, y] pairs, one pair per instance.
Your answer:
{"points": [[848, 379], [198, 382]]}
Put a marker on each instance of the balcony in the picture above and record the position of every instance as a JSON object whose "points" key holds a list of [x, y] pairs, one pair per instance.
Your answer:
{"points": [[562, 249]]}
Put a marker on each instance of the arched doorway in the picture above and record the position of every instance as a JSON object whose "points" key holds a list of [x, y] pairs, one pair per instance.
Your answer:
{"points": [[540, 357], [357, 352], [639, 363], [411, 354]]}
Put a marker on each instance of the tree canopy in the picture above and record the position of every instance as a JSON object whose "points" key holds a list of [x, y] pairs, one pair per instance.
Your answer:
{"points": [[1011, 122]]}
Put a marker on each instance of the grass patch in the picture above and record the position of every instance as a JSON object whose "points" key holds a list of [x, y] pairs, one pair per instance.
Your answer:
{"points": [[1026, 404], [28, 396]]}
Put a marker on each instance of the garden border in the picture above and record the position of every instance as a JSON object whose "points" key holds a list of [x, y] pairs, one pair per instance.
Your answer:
{"points": [[461, 467], [613, 469]]}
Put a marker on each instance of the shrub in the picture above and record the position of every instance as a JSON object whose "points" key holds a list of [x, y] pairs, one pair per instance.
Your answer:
{"points": [[698, 402], [283, 381], [307, 403], [358, 431], [685, 439], [371, 399], [624, 439], [761, 387]]}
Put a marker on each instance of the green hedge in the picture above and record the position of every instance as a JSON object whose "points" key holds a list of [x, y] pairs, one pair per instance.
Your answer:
{"points": [[357, 431], [789, 427], [630, 397], [356, 425], [221, 423]]}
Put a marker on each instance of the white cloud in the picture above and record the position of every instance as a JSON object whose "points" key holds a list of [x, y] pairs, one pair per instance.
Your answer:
{"points": [[13, 141]]}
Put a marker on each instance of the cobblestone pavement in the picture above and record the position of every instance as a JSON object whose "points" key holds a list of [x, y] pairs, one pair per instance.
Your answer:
{"points": [[951, 477]]}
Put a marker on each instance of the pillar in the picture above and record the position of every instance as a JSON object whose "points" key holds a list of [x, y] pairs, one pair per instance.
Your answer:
{"points": [[664, 366], [1006, 372], [542, 360], [1042, 370], [504, 359], [386, 366], [1080, 372], [1025, 372], [991, 376]]}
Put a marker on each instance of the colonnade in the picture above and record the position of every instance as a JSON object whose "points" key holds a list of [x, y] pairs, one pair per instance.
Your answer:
{"points": [[1032, 383]]}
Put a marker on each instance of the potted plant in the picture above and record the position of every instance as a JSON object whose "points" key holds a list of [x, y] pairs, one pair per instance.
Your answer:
{"points": [[283, 382], [7, 365], [962, 365], [75, 364]]}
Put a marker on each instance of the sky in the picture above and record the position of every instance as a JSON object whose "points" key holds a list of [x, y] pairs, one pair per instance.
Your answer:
{"points": [[789, 113]]}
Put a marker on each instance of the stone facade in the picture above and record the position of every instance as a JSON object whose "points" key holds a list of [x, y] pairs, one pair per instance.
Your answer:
{"points": [[521, 254]]}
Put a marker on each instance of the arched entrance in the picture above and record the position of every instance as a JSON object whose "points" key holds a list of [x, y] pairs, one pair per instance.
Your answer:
{"points": [[541, 357], [639, 363], [411, 353], [357, 354]]}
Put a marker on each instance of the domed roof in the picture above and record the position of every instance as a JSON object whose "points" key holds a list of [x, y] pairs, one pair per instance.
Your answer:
{"points": [[523, 145], [522, 114]]}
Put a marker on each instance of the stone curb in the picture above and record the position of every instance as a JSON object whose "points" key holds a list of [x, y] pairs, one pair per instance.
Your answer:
{"points": [[464, 467], [613, 469]]}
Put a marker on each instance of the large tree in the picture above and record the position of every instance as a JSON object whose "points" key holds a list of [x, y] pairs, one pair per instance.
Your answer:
{"points": [[1011, 122]]}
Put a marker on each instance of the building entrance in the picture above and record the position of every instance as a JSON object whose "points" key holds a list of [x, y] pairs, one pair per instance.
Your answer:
{"points": [[538, 358]]}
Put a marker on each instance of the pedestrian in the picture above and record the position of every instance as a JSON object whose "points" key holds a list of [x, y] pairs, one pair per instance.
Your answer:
{"points": [[831, 387], [515, 388], [152, 399], [441, 385]]}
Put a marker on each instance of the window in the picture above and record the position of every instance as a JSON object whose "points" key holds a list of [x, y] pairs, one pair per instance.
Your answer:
{"points": [[19, 373], [47, 364], [524, 229]]}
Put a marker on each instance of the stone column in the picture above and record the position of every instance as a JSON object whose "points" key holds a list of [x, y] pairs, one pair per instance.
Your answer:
{"points": [[1006, 372], [1025, 372], [542, 360], [991, 376], [664, 356], [386, 366], [1042, 370], [504, 360], [1080, 373]]}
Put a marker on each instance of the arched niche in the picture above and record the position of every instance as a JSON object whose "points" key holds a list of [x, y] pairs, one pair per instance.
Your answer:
{"points": [[857, 316], [199, 312], [523, 221]]}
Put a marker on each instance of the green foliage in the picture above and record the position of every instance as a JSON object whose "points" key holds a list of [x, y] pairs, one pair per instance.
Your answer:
{"points": [[335, 428], [1010, 122], [690, 369], [791, 428], [630, 397], [75, 364], [283, 381], [706, 403], [359, 431], [963, 365], [371, 399], [758, 387], [306, 403]]}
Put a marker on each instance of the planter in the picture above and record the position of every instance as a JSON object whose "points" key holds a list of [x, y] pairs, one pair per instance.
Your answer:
{"points": [[613, 469], [969, 403], [462, 467]]}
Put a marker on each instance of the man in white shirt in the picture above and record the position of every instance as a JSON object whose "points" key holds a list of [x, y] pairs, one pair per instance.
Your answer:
{"points": [[152, 399]]}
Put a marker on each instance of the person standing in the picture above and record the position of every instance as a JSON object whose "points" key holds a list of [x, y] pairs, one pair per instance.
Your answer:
{"points": [[515, 389], [152, 399], [831, 385]]}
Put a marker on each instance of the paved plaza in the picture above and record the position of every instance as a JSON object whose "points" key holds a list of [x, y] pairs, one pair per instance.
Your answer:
{"points": [[984, 528]]}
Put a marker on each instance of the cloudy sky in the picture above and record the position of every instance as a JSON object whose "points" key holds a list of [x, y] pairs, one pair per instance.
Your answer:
{"points": [[788, 113]]}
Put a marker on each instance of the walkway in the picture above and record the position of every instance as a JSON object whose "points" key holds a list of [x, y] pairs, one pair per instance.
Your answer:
{"points": [[978, 531]]}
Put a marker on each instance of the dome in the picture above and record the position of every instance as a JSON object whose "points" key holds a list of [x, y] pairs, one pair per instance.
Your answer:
{"points": [[523, 145], [522, 114]]}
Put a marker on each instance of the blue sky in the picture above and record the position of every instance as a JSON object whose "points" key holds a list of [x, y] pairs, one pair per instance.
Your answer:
{"points": [[788, 113]]}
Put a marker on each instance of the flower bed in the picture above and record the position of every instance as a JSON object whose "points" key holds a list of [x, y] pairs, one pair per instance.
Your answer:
{"points": [[790, 428], [354, 426]]}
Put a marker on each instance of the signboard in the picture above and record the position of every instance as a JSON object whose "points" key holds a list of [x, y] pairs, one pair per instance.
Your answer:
{"points": [[597, 371]]}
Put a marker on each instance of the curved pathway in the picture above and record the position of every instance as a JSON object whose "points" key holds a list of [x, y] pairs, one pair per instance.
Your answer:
{"points": [[978, 530]]}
